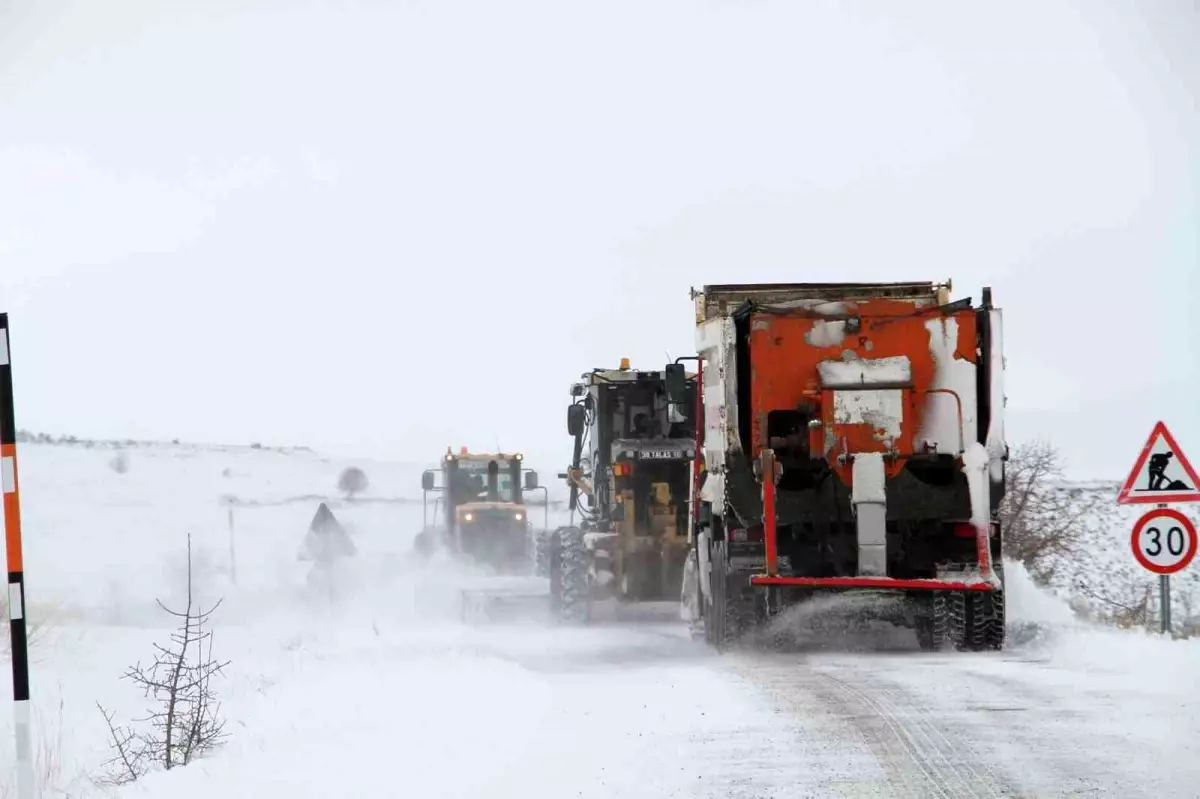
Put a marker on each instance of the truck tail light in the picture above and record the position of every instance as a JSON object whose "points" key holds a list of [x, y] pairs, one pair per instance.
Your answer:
{"points": [[739, 536], [967, 530]]}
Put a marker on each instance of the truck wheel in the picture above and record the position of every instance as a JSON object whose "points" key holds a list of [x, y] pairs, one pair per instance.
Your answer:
{"points": [[691, 598], [541, 553], [731, 614], [424, 544], [987, 617], [714, 614], [923, 623], [948, 621], [573, 586]]}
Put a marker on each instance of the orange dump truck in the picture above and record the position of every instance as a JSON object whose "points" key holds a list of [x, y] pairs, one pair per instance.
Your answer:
{"points": [[852, 440]]}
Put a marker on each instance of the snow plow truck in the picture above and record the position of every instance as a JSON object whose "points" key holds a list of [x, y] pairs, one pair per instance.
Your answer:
{"points": [[482, 505], [852, 441], [630, 480]]}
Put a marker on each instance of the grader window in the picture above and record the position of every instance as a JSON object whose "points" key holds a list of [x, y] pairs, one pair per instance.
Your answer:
{"points": [[473, 482], [643, 412]]}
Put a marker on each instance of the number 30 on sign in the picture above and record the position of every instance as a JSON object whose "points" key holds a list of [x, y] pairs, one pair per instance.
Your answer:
{"points": [[1164, 541]]}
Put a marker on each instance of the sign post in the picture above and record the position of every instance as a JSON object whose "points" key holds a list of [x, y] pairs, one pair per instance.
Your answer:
{"points": [[16, 569], [1164, 598], [1164, 540], [229, 500], [232, 549]]}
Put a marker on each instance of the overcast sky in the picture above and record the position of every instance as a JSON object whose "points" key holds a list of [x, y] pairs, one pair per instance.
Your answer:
{"points": [[380, 228]]}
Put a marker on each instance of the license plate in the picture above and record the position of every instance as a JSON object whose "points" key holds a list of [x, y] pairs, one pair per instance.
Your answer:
{"points": [[661, 454]]}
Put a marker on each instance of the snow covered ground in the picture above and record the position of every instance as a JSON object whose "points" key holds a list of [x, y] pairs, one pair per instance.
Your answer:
{"points": [[1104, 578], [387, 692]]}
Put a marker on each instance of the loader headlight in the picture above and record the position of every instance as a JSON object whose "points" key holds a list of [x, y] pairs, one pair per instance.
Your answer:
{"points": [[468, 517], [518, 516]]}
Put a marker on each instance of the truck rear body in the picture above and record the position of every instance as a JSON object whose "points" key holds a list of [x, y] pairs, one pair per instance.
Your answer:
{"points": [[862, 401]]}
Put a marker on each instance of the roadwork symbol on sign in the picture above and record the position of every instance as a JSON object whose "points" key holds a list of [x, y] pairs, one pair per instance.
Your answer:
{"points": [[1164, 541], [1162, 473]]}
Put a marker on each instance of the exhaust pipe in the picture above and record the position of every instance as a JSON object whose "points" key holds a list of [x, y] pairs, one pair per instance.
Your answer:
{"points": [[493, 481]]}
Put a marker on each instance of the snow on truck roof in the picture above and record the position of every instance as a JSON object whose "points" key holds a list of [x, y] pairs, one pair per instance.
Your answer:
{"points": [[722, 299], [464, 455], [603, 376]]}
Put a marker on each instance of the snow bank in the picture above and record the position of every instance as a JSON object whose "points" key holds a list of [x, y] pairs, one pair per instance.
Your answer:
{"points": [[1043, 624], [1027, 602]]}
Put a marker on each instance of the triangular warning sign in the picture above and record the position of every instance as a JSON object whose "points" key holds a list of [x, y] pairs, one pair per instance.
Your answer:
{"points": [[1162, 473], [326, 538]]}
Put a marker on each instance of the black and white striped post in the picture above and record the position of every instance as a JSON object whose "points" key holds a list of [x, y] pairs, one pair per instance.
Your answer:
{"points": [[16, 568]]}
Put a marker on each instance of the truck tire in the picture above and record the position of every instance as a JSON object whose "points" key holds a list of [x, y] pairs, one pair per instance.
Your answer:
{"points": [[424, 545], [541, 553], [929, 635], [987, 617], [570, 585], [730, 616], [691, 597], [947, 623], [968, 621]]}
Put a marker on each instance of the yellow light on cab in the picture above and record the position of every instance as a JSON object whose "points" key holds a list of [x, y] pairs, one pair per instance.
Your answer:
{"points": [[624, 364]]}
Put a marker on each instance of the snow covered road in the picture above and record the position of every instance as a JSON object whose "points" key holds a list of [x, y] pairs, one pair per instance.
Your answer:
{"points": [[364, 701], [376, 710], [388, 693], [991, 726]]}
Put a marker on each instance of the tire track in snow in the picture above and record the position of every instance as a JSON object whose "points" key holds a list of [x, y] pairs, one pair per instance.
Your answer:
{"points": [[919, 754], [950, 759], [1056, 726]]}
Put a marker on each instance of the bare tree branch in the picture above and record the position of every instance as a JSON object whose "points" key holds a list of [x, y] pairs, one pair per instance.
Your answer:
{"points": [[185, 722], [1042, 519], [128, 762]]}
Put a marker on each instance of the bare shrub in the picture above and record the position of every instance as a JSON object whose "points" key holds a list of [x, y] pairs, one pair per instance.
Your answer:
{"points": [[353, 480], [119, 463], [1123, 604], [185, 720], [1043, 521]]}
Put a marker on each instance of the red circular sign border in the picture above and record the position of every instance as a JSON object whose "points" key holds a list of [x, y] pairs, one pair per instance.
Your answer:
{"points": [[1188, 527]]}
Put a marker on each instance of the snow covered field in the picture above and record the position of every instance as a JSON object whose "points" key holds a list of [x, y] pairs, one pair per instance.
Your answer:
{"points": [[388, 693]]}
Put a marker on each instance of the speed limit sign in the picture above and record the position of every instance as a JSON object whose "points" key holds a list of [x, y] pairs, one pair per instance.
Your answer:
{"points": [[1164, 541]]}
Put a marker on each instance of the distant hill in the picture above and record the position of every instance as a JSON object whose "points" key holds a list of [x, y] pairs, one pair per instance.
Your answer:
{"points": [[29, 437]]}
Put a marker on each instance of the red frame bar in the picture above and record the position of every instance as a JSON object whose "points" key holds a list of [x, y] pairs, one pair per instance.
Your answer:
{"points": [[871, 582], [767, 462], [983, 549]]}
